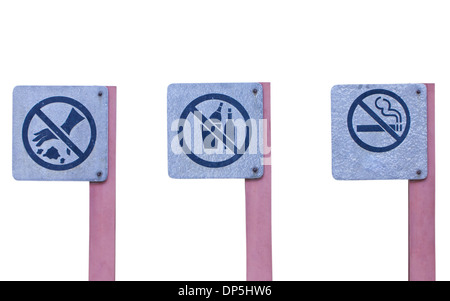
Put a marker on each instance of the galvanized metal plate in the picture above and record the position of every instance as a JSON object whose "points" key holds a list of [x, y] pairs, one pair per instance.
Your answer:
{"points": [[215, 130], [379, 132], [60, 133]]}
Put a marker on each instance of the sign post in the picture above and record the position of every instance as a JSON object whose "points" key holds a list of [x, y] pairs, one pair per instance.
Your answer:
{"points": [[421, 194], [102, 219], [258, 201], [387, 132], [68, 133], [223, 131]]}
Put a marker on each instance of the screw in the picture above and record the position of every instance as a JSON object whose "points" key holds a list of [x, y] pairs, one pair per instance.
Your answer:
{"points": [[100, 93], [99, 174], [419, 172], [255, 91], [255, 169], [418, 92]]}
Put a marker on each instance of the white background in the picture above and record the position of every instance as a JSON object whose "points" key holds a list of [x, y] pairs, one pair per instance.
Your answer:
{"points": [[169, 229]]}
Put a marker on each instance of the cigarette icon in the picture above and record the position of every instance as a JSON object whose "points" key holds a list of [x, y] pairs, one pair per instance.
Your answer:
{"points": [[377, 128]]}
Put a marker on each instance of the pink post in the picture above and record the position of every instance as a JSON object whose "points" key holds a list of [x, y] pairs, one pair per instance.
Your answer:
{"points": [[258, 196], [422, 262], [102, 222]]}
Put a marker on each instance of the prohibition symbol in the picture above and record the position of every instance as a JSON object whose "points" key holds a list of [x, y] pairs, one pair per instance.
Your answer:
{"points": [[214, 130], [59, 147], [378, 120]]}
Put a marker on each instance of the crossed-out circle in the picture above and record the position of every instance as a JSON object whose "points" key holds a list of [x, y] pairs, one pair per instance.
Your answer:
{"points": [[191, 107], [36, 111], [359, 102]]}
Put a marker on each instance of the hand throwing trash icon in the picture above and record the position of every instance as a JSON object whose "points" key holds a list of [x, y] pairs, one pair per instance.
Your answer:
{"points": [[72, 120], [46, 134], [59, 147]]}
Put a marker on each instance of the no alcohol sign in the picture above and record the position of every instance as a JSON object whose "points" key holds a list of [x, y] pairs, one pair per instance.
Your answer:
{"points": [[60, 133], [379, 131], [215, 130]]}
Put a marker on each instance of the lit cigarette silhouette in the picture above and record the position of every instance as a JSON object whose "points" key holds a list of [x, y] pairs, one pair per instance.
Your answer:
{"points": [[385, 108], [376, 128]]}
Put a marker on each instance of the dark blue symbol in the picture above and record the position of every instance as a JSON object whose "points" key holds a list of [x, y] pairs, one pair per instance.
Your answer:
{"points": [[43, 136], [209, 140], [208, 127], [72, 120], [52, 153], [55, 132], [384, 110]]}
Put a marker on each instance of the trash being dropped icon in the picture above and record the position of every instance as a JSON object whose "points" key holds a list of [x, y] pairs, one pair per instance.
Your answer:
{"points": [[52, 153], [45, 135]]}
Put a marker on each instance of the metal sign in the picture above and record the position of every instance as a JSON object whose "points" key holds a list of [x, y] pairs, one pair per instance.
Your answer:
{"points": [[379, 131], [214, 130], [60, 133]]}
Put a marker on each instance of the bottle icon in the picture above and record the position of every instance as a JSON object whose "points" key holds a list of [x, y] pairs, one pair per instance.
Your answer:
{"points": [[209, 140], [229, 140]]}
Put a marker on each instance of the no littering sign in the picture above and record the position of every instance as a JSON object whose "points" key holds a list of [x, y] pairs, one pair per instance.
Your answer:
{"points": [[60, 133]]}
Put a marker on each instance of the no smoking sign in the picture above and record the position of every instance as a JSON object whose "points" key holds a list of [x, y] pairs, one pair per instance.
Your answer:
{"points": [[60, 133], [379, 131]]}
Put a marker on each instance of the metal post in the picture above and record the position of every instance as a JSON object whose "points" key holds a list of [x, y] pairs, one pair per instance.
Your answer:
{"points": [[102, 221], [258, 196], [422, 261]]}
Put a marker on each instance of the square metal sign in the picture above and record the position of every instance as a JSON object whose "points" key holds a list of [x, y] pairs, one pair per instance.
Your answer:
{"points": [[215, 130], [60, 133], [379, 132]]}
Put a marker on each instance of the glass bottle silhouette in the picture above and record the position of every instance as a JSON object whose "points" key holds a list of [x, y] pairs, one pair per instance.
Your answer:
{"points": [[216, 119], [230, 133]]}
